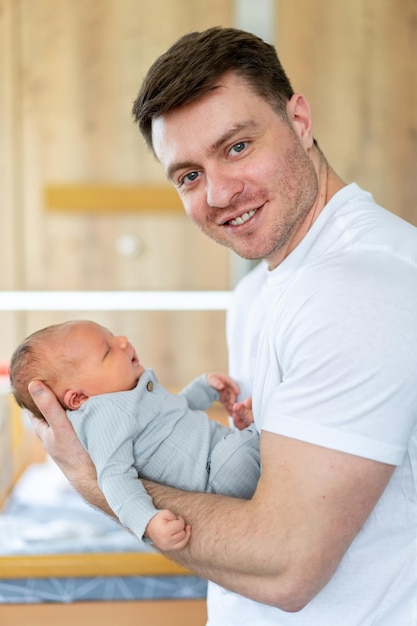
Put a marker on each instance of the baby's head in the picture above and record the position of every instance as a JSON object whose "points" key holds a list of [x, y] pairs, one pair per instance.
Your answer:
{"points": [[76, 360], [36, 359]]}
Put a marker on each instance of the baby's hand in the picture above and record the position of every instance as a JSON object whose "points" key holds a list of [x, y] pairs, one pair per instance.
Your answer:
{"points": [[242, 413], [228, 389], [168, 531]]}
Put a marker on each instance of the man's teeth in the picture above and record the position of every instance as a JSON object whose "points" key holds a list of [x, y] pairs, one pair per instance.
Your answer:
{"points": [[242, 218]]}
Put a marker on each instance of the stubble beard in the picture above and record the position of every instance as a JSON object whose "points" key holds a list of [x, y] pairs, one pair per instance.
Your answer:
{"points": [[298, 199], [298, 190]]}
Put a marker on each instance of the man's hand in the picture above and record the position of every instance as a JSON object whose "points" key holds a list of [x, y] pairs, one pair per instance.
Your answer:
{"points": [[62, 444]]}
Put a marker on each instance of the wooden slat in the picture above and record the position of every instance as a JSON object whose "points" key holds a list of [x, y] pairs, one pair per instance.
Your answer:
{"points": [[107, 198], [88, 564], [16, 445], [128, 613]]}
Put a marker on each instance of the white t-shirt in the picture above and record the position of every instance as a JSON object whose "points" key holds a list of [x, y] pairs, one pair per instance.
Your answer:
{"points": [[327, 346]]}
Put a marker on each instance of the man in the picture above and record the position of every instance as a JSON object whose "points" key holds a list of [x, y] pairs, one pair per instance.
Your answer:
{"points": [[322, 334]]}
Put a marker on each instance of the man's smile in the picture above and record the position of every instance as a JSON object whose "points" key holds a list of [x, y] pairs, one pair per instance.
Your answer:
{"points": [[241, 219]]}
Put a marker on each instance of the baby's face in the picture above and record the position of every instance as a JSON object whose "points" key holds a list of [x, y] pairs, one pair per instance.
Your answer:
{"points": [[102, 362]]}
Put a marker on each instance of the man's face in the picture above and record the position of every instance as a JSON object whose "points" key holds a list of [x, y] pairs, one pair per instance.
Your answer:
{"points": [[243, 173]]}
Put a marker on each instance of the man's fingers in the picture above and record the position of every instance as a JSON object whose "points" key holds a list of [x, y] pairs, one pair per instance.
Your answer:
{"points": [[37, 390], [39, 426], [47, 402]]}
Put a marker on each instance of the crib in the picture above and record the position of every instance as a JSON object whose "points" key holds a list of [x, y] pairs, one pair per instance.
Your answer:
{"points": [[62, 562]]}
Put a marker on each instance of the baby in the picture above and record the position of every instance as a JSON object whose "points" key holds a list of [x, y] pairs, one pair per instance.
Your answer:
{"points": [[130, 425]]}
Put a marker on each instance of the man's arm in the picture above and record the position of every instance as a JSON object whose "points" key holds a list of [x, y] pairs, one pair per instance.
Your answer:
{"points": [[279, 548], [283, 546]]}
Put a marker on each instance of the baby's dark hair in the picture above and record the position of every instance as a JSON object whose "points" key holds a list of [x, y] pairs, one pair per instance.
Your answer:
{"points": [[30, 361], [193, 65]]}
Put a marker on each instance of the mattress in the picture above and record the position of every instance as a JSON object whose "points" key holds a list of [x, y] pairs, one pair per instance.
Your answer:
{"points": [[56, 548]]}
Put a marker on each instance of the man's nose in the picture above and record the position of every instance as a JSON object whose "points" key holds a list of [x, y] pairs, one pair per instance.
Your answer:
{"points": [[222, 189]]}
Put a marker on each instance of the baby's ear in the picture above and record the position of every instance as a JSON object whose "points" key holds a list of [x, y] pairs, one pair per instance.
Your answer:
{"points": [[73, 399]]}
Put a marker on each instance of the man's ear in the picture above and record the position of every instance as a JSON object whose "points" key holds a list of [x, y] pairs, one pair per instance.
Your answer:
{"points": [[73, 399], [299, 114]]}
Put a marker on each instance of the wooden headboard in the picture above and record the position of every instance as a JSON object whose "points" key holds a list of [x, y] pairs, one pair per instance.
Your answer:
{"points": [[18, 444]]}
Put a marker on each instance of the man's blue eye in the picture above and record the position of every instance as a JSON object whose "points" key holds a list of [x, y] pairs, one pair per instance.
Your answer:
{"points": [[238, 147], [190, 177]]}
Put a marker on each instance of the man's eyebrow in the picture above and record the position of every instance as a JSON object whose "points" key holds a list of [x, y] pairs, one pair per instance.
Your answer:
{"points": [[179, 165], [227, 136]]}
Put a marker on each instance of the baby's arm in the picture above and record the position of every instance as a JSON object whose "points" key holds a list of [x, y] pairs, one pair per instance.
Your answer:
{"points": [[227, 388], [113, 454], [201, 392], [168, 531]]}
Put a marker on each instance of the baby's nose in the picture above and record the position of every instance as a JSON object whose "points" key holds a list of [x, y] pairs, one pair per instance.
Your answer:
{"points": [[123, 342]]}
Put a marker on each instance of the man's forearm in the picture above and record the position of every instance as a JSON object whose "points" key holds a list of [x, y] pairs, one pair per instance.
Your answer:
{"points": [[86, 485], [220, 550], [206, 513], [263, 548], [218, 567]]}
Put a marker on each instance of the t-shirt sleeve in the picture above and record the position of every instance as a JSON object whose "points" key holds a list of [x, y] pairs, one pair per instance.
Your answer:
{"points": [[341, 356]]}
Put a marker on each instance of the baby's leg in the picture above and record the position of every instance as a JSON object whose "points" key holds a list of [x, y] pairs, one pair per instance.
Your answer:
{"points": [[235, 464]]}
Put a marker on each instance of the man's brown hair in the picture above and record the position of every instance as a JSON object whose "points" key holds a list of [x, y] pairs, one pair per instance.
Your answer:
{"points": [[193, 65]]}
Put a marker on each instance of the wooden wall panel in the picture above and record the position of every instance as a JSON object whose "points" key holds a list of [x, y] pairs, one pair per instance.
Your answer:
{"points": [[356, 63], [10, 196], [7, 153], [69, 72], [80, 67]]}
